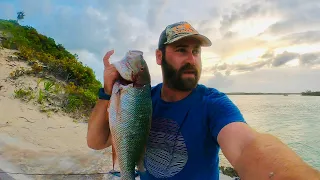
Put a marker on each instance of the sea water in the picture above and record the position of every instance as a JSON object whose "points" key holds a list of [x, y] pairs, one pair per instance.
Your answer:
{"points": [[294, 119]]}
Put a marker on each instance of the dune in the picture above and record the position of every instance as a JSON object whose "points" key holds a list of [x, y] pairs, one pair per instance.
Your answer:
{"points": [[38, 142]]}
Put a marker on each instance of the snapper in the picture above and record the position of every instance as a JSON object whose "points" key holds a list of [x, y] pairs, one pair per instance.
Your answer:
{"points": [[130, 113]]}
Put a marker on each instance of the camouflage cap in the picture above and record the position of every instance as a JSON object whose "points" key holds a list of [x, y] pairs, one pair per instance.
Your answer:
{"points": [[179, 30]]}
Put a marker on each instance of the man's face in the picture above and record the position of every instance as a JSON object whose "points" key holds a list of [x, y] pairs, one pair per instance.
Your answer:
{"points": [[181, 64]]}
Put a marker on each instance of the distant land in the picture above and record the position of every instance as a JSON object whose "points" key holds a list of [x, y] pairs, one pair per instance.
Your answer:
{"points": [[310, 93], [307, 93], [258, 93]]}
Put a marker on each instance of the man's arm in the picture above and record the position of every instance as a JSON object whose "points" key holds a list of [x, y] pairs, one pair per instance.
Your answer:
{"points": [[98, 135], [262, 156]]}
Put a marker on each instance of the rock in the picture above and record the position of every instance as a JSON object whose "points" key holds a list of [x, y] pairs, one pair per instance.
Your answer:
{"points": [[229, 171], [2, 38], [13, 58]]}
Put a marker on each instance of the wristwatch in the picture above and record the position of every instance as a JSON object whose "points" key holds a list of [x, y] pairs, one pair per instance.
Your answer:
{"points": [[103, 95]]}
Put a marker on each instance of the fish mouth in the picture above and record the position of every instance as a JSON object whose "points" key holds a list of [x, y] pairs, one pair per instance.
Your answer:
{"points": [[123, 81]]}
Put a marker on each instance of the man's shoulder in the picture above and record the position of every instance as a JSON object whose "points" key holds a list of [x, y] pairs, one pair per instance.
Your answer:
{"points": [[215, 98], [210, 92], [155, 87]]}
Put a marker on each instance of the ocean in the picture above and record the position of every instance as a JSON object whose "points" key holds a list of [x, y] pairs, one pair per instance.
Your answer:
{"points": [[294, 119]]}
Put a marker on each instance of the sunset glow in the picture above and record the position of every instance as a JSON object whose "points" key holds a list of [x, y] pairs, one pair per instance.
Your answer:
{"points": [[253, 27], [305, 48], [246, 57]]}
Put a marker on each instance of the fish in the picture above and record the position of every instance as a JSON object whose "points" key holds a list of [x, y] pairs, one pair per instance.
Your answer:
{"points": [[130, 113]]}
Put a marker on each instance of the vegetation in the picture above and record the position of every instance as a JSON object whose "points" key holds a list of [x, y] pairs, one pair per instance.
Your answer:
{"points": [[25, 94], [310, 93], [229, 171], [47, 58]]}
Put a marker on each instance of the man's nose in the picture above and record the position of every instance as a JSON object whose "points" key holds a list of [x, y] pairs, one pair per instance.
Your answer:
{"points": [[191, 58]]}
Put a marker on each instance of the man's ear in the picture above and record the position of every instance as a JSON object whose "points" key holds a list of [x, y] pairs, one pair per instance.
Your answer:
{"points": [[159, 56]]}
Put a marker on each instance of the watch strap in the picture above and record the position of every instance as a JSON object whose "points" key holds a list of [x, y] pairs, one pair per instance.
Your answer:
{"points": [[103, 95]]}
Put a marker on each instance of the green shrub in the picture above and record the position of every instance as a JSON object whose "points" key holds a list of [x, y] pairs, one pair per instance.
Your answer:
{"points": [[57, 88], [74, 103]]}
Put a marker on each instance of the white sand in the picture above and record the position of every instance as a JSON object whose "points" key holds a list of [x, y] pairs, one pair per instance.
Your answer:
{"points": [[33, 142]]}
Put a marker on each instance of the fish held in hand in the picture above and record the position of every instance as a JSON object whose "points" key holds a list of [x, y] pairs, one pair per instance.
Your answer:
{"points": [[130, 113]]}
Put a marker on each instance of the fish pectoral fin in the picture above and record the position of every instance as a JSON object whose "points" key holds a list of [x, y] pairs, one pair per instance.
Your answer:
{"points": [[140, 166], [140, 163]]}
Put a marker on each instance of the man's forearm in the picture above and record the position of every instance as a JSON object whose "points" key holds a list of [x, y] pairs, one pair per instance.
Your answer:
{"points": [[98, 126], [267, 158]]}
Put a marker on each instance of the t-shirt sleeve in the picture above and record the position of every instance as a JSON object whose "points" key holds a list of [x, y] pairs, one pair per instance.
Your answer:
{"points": [[222, 111]]}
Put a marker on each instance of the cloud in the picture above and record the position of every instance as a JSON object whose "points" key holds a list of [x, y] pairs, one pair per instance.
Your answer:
{"points": [[268, 54], [297, 15], [250, 67], [310, 59], [278, 80], [267, 60], [239, 12], [154, 13], [217, 81], [283, 58], [308, 37], [237, 68], [229, 47]]}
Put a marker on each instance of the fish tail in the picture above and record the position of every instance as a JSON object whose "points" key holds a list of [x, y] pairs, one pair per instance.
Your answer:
{"points": [[128, 175]]}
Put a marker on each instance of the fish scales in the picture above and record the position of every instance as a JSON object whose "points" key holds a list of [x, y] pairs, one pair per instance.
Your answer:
{"points": [[130, 114]]}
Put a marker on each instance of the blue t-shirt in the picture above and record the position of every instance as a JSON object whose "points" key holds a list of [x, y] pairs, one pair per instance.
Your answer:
{"points": [[183, 137]]}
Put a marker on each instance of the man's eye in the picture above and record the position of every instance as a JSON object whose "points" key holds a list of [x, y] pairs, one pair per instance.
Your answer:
{"points": [[181, 50], [197, 51]]}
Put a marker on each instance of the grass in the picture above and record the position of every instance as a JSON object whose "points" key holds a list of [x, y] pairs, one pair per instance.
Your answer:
{"points": [[24, 94]]}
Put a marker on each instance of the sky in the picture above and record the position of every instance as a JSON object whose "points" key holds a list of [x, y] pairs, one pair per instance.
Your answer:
{"points": [[257, 45]]}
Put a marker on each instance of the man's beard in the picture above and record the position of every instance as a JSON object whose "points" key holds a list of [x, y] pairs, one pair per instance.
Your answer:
{"points": [[174, 78]]}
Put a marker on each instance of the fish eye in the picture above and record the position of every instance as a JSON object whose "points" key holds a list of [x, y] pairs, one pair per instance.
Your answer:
{"points": [[141, 68]]}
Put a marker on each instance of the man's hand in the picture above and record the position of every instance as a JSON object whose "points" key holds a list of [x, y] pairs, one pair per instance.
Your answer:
{"points": [[110, 74]]}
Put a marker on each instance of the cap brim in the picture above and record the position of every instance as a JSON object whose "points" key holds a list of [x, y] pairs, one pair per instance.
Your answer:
{"points": [[203, 39]]}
